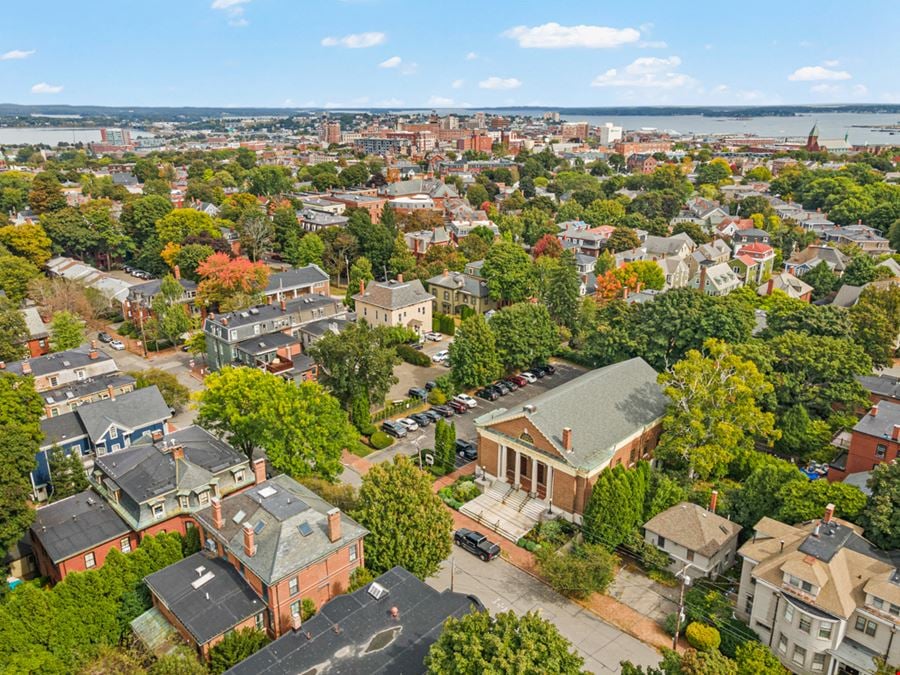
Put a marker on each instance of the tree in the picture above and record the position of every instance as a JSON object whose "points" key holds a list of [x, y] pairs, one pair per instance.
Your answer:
{"points": [[175, 394], [616, 506], [525, 334], [256, 234], [359, 361], [881, 518], [754, 658], [562, 292], [139, 217], [713, 172], [231, 283], [170, 314], [760, 492], [402, 261], [66, 331], [861, 270], [28, 240], [445, 445], [360, 274], [15, 273], [13, 332], [189, 258], [586, 569], [67, 475], [46, 193], [604, 212], [803, 500], [504, 643], [647, 273], [547, 245], [181, 661], [375, 240], [354, 175], [507, 272], [477, 195], [714, 410], [473, 354], [308, 251], [235, 647], [269, 180], [623, 239], [181, 223], [408, 524]]}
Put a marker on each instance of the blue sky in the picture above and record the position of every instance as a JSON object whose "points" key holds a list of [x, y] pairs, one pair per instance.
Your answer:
{"points": [[344, 53]]}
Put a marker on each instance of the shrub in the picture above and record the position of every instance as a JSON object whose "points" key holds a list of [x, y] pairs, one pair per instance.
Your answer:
{"points": [[413, 356], [191, 542], [359, 415], [465, 312], [703, 638], [307, 609], [670, 623], [587, 569], [341, 495], [359, 578], [380, 440], [237, 646], [436, 397]]}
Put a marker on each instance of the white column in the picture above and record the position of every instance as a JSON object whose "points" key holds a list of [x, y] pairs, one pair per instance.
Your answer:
{"points": [[534, 464], [549, 482], [516, 470], [501, 462]]}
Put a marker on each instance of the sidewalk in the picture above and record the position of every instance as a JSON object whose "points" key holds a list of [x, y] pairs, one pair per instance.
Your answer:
{"points": [[359, 465]]}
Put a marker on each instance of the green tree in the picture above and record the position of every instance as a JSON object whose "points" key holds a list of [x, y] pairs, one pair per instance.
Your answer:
{"points": [[360, 273], [269, 180], [713, 172], [714, 410], [760, 493], [804, 500], [175, 394], [623, 239], [505, 643], [398, 506], [562, 292], [507, 270], [13, 332], [139, 216], [169, 311], [477, 195], [403, 261], [881, 518], [189, 258], [256, 234], [473, 354], [604, 212], [66, 331], [181, 661], [861, 271], [237, 646], [178, 224], [67, 474], [308, 251], [754, 658], [525, 334], [445, 445], [586, 569], [354, 175], [28, 240], [616, 506], [15, 273], [46, 193], [647, 273], [360, 360]]}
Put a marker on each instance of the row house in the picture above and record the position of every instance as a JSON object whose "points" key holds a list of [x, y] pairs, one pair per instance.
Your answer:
{"points": [[313, 220], [716, 279], [820, 596], [277, 353], [868, 239], [882, 387], [787, 283], [716, 251], [296, 282], [62, 368], [38, 340], [71, 396], [264, 551], [875, 439], [803, 261], [138, 305]]}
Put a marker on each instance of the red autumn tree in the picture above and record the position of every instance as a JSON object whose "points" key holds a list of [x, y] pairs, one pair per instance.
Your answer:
{"points": [[231, 283], [548, 245]]}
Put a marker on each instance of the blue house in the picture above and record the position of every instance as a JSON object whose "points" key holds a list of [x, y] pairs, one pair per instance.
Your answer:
{"points": [[99, 428]]}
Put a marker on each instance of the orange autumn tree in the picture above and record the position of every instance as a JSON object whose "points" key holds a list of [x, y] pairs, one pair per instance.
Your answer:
{"points": [[231, 283], [612, 283]]}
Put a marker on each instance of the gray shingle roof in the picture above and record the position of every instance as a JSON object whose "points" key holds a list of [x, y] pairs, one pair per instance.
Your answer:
{"points": [[693, 527], [94, 385], [602, 407], [260, 344], [76, 524], [212, 608], [131, 410], [883, 385], [298, 277], [880, 425], [393, 294], [52, 363]]}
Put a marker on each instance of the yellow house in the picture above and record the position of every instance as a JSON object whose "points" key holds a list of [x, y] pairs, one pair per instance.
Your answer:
{"points": [[395, 303]]}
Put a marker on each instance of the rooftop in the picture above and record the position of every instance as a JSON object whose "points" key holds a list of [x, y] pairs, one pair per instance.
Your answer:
{"points": [[693, 527], [297, 277], [394, 294], [882, 424], [53, 363], [76, 524]]}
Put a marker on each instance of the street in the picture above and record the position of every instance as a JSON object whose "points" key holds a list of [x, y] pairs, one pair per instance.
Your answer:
{"points": [[502, 586]]}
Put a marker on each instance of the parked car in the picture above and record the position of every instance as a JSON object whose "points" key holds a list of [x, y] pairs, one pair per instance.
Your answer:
{"points": [[409, 423], [544, 368], [118, 345], [536, 372], [394, 429], [502, 388], [513, 386], [459, 407], [430, 413], [468, 400], [550, 369], [104, 337], [416, 345], [466, 450], [434, 336], [431, 384], [422, 419], [488, 394], [442, 355], [444, 410], [519, 380], [528, 377], [417, 392], [476, 543]]}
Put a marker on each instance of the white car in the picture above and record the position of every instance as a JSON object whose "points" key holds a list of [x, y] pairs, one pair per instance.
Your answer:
{"points": [[442, 355], [409, 423], [118, 345], [466, 399], [434, 336], [528, 376]]}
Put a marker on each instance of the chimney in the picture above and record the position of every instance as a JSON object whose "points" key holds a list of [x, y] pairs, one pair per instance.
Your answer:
{"points": [[829, 513], [395, 613], [895, 434], [283, 305], [92, 355], [771, 287], [446, 272], [625, 293], [249, 543], [637, 288], [218, 521], [399, 278], [111, 390], [702, 285], [295, 622], [713, 499], [177, 452], [362, 286], [2, 365], [26, 367], [334, 525], [177, 271], [224, 320], [874, 411], [567, 438], [259, 470]]}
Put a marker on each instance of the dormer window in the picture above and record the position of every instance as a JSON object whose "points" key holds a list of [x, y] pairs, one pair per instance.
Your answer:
{"points": [[800, 584], [204, 497]]}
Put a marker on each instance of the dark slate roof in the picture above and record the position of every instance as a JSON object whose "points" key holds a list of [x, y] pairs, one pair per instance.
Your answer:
{"points": [[149, 289], [281, 549], [147, 470], [52, 363], [470, 285], [394, 294], [261, 344], [61, 429], [345, 633], [602, 407], [76, 524], [321, 218], [89, 387], [212, 608], [298, 277], [880, 425], [132, 410], [322, 326], [883, 385], [259, 313]]}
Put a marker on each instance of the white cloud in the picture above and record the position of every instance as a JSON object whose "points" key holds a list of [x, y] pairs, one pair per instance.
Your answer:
{"points": [[409, 68], [355, 40], [457, 84], [228, 4], [653, 44], [16, 54], [817, 73], [646, 72], [233, 10], [471, 56], [44, 88], [440, 102], [832, 63], [555, 36], [392, 62], [495, 82]]}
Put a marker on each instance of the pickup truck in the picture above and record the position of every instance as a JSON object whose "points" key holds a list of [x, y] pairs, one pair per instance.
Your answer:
{"points": [[476, 543]]}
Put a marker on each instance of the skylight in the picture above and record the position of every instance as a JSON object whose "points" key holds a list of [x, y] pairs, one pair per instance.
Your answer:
{"points": [[304, 529], [238, 517], [267, 491], [197, 583], [260, 524]]}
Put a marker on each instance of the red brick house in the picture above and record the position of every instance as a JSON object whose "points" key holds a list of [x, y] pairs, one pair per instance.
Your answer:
{"points": [[874, 439], [640, 163]]}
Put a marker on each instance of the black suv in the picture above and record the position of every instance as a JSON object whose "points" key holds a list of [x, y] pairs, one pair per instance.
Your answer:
{"points": [[488, 394], [476, 543], [422, 419], [417, 392], [466, 450], [443, 410]]}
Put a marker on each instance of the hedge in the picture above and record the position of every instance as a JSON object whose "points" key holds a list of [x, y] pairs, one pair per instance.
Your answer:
{"points": [[413, 356], [380, 440], [703, 638], [442, 323]]}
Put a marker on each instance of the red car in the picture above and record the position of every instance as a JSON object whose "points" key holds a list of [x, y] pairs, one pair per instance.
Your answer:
{"points": [[519, 380], [458, 406]]}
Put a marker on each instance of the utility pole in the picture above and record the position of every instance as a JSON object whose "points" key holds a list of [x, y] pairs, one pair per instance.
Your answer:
{"points": [[685, 581], [452, 572]]}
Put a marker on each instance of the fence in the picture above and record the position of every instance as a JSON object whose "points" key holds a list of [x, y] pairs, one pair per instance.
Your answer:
{"points": [[394, 408]]}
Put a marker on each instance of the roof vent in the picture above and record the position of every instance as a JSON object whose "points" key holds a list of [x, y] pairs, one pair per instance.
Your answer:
{"points": [[529, 407], [267, 491], [206, 578], [376, 590]]}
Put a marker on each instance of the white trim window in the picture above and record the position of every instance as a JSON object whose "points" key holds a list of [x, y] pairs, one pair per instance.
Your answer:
{"points": [[159, 510], [818, 662], [125, 545], [293, 586], [89, 560]]}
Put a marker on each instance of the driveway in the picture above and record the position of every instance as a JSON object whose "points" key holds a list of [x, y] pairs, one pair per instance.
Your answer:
{"points": [[465, 424], [409, 375], [501, 587]]}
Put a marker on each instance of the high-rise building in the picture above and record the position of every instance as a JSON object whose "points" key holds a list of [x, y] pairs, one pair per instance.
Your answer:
{"points": [[330, 132], [609, 133], [115, 137], [579, 130]]}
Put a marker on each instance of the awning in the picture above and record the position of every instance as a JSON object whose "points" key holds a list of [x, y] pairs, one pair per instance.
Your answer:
{"points": [[855, 655]]}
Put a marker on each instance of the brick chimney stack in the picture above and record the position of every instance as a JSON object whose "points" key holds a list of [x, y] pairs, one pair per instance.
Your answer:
{"points": [[362, 286], [249, 540], [111, 390], [177, 452], [26, 367], [702, 285], [283, 305], [771, 286], [259, 470], [713, 500], [567, 438], [874, 411], [895, 434], [218, 521], [177, 271], [334, 525], [829, 513]]}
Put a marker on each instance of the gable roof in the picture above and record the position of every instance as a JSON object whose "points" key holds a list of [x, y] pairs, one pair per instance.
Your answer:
{"points": [[693, 527], [65, 360], [790, 284], [298, 277], [131, 410], [394, 294], [76, 524]]}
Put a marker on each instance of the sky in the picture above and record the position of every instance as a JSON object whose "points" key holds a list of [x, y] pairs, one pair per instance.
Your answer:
{"points": [[426, 53]]}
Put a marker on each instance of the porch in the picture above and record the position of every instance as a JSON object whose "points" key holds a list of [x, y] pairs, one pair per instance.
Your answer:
{"points": [[509, 512]]}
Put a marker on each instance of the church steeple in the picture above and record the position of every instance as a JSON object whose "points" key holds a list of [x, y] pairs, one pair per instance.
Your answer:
{"points": [[812, 142]]}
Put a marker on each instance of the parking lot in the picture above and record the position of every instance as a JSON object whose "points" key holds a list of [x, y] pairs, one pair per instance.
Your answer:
{"points": [[465, 424]]}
